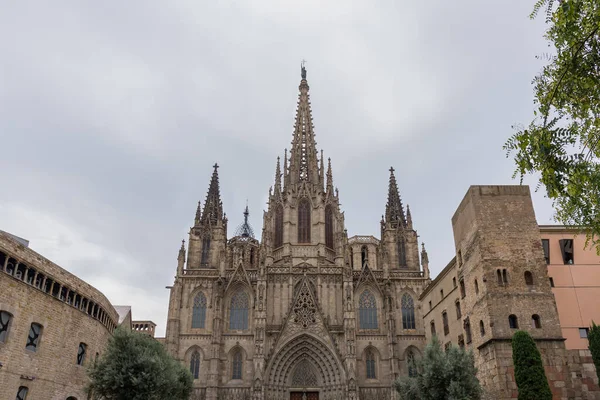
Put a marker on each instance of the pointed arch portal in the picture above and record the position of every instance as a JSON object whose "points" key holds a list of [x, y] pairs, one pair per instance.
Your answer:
{"points": [[305, 363]]}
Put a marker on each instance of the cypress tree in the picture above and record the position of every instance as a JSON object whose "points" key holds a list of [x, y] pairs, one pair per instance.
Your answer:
{"points": [[594, 346], [529, 371]]}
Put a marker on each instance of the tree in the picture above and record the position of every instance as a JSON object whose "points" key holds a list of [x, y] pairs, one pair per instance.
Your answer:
{"points": [[594, 346], [562, 143], [449, 375], [529, 371], [137, 367]]}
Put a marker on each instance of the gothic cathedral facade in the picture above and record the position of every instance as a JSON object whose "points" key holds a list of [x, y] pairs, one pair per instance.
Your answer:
{"points": [[306, 312]]}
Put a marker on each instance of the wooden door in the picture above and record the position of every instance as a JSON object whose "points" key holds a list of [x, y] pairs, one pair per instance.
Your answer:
{"points": [[309, 395]]}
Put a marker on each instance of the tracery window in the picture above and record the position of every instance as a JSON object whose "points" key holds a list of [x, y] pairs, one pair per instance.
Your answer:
{"points": [[367, 309], [401, 252], [81, 353], [371, 364], [205, 251], [199, 311], [408, 312], [328, 226], [33, 339], [5, 318], [304, 221], [195, 364], [279, 226], [22, 393], [236, 370], [238, 314]]}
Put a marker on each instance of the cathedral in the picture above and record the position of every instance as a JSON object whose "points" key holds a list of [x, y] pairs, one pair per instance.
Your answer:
{"points": [[306, 312]]}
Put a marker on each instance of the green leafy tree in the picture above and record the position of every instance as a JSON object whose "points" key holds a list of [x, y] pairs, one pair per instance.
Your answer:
{"points": [[441, 375], [137, 367], [562, 143], [529, 371], [594, 346]]}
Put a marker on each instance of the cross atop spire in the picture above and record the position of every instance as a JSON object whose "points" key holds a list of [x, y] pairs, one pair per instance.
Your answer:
{"points": [[394, 211], [213, 207]]}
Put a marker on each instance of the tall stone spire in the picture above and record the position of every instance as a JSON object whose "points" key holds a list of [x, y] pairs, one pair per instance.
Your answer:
{"points": [[181, 258], [303, 154], [321, 171], [198, 214], [277, 178], [213, 207], [394, 212], [409, 223], [329, 177], [424, 261]]}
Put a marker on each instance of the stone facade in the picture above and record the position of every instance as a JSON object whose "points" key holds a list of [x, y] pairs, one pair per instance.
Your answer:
{"points": [[498, 283], [306, 309], [69, 312]]}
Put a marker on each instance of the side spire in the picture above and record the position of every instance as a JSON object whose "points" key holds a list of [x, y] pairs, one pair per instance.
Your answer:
{"points": [[303, 154], [321, 171], [198, 213], [394, 212], [329, 177], [213, 207], [277, 178], [409, 223], [181, 258], [286, 177], [425, 261]]}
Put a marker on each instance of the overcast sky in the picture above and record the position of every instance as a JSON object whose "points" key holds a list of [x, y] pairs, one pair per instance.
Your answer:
{"points": [[112, 113]]}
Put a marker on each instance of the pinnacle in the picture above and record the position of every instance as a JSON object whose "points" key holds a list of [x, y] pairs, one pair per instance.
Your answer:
{"points": [[394, 211], [213, 207]]}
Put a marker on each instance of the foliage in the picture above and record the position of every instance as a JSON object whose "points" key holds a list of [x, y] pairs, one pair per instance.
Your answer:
{"points": [[594, 346], [529, 371], [562, 143], [137, 367], [449, 375]]}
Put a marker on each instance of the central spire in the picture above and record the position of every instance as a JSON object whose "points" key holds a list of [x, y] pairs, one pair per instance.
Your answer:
{"points": [[213, 208], [303, 154], [394, 211]]}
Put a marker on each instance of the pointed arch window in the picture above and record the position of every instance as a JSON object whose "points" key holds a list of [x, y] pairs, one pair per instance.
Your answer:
{"points": [[408, 312], [304, 221], [328, 226], [412, 366], [401, 252], [370, 361], [195, 364], [238, 315], [236, 370], [205, 251], [199, 311], [367, 309], [278, 226]]}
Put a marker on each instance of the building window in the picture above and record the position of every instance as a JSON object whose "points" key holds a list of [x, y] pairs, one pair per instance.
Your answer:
{"points": [[460, 260], [351, 258], [463, 292], [81, 351], [441, 294], [430, 305], [22, 393], [454, 282], [528, 278], [481, 329], [304, 221], [5, 319], [458, 310], [408, 312], [367, 309], [566, 248], [476, 287], [238, 314], [364, 255], [33, 339], [412, 365], [546, 247], [195, 364], [551, 282], [513, 323], [236, 371], [502, 276], [445, 323], [401, 252], [467, 326], [371, 364], [328, 226], [461, 341], [535, 321], [583, 332], [279, 226], [447, 346], [432, 328], [199, 311], [205, 251]]}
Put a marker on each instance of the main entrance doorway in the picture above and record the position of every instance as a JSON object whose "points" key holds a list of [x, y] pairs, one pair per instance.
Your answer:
{"points": [[304, 396]]}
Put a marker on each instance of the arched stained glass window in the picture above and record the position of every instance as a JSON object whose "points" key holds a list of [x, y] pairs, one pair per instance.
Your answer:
{"points": [[367, 309], [304, 221], [238, 313], [401, 252], [195, 364], [199, 311], [236, 370], [408, 312], [205, 251], [371, 364], [279, 226], [328, 226]]}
